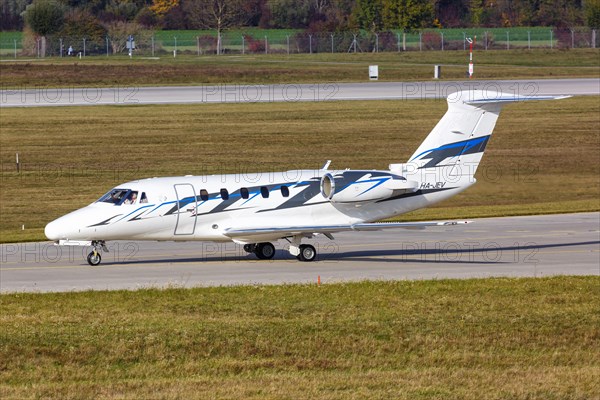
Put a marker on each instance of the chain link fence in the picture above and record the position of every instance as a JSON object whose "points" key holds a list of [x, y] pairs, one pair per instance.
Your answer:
{"points": [[173, 43]]}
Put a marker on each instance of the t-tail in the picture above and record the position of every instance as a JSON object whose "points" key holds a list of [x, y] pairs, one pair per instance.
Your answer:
{"points": [[453, 150]]}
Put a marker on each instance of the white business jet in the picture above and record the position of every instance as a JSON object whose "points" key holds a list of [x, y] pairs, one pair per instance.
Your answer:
{"points": [[255, 210]]}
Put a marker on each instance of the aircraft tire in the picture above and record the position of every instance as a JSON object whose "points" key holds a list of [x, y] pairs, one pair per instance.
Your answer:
{"points": [[265, 251], [307, 253], [94, 259]]}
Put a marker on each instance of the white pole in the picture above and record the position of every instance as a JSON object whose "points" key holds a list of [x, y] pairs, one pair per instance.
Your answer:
{"points": [[420, 41], [551, 44], [288, 44], [18, 165], [398, 39], [266, 45], [332, 43], [528, 40], [572, 38], [84, 47], [243, 45], [16, 47], [442, 41], [310, 43], [152, 38], [486, 40], [507, 40]]}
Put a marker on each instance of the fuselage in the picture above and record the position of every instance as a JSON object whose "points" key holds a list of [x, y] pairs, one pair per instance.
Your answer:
{"points": [[202, 208]]}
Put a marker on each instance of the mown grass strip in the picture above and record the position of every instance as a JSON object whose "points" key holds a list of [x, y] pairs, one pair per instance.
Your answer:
{"points": [[472, 339], [302, 68]]}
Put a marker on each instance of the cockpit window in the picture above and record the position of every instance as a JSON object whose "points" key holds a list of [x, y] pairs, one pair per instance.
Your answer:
{"points": [[119, 196]]}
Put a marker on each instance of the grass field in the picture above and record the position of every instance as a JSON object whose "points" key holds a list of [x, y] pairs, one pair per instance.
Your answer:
{"points": [[543, 158], [193, 70], [472, 339]]}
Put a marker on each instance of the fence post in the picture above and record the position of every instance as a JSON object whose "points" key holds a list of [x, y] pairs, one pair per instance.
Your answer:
{"points": [[486, 39], [551, 44], [403, 41], [243, 45], [507, 40], [464, 41], [442, 41], [175, 51], [572, 38], [61, 47], [309, 43], [420, 41], [16, 47], [529, 40], [266, 45], [152, 40], [288, 44], [332, 43], [106, 45], [84, 47]]}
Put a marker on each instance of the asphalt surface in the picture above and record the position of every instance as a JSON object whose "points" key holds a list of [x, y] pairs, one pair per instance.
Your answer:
{"points": [[532, 246], [236, 93]]}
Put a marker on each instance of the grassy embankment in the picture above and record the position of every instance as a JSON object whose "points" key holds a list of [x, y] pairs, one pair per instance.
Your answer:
{"points": [[473, 339], [310, 68], [544, 157]]}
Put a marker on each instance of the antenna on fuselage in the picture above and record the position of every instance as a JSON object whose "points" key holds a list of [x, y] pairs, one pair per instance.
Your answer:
{"points": [[326, 165]]}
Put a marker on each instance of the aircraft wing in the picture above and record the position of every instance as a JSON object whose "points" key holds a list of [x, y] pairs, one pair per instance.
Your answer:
{"points": [[248, 235]]}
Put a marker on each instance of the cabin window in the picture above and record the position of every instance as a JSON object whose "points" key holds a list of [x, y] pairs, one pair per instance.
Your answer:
{"points": [[203, 195], [264, 191], [224, 194], [244, 193], [285, 192], [143, 198]]}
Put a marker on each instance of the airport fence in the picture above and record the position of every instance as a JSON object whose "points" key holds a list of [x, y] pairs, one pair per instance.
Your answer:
{"points": [[12, 44]]}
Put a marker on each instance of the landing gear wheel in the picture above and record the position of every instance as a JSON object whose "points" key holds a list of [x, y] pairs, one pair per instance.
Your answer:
{"points": [[249, 248], [94, 258], [307, 253], [264, 251]]}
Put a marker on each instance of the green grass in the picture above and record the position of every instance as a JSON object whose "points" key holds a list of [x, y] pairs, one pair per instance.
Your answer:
{"points": [[471, 339], [322, 67], [544, 157]]}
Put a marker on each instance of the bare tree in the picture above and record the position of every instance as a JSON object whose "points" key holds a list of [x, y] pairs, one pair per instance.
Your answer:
{"points": [[216, 14]]}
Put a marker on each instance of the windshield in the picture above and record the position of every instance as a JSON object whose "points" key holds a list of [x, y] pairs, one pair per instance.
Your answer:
{"points": [[119, 196]]}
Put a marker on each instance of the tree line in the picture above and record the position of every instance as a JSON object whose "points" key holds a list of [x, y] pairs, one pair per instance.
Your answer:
{"points": [[317, 15]]}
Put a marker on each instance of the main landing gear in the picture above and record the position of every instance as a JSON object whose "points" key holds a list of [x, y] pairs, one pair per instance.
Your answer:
{"points": [[266, 251], [94, 258]]}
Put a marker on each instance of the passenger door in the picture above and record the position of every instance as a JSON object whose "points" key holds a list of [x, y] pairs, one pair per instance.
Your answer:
{"points": [[186, 209]]}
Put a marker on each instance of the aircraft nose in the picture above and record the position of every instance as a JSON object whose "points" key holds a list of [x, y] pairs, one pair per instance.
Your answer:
{"points": [[53, 230]]}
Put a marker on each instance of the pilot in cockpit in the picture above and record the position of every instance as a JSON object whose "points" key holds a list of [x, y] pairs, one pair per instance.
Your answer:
{"points": [[131, 199]]}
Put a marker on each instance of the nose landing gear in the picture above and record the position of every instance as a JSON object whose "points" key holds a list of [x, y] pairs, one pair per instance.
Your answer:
{"points": [[94, 258]]}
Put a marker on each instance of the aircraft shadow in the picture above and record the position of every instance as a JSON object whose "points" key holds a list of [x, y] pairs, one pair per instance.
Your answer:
{"points": [[468, 255]]}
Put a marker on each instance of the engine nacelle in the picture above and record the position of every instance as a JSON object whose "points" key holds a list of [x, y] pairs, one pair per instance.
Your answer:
{"points": [[362, 186]]}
